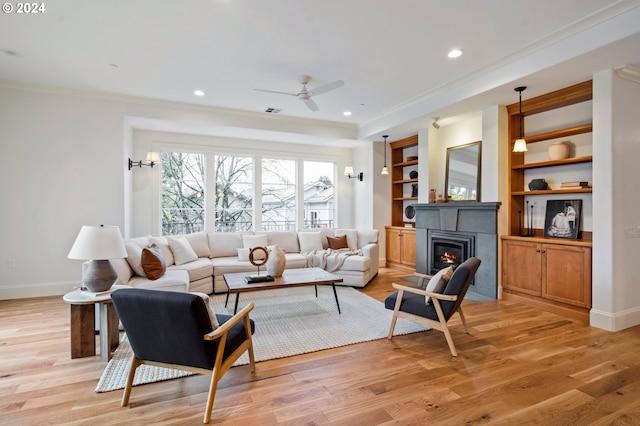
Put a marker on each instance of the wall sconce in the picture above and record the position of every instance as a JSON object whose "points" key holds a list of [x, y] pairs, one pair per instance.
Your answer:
{"points": [[348, 172], [152, 159], [385, 169]]}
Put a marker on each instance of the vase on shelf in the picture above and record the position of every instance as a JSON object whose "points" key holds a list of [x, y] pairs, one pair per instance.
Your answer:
{"points": [[538, 185], [559, 151]]}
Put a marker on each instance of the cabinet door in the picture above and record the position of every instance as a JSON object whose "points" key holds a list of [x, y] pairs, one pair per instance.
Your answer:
{"points": [[409, 247], [567, 274], [393, 245], [522, 267]]}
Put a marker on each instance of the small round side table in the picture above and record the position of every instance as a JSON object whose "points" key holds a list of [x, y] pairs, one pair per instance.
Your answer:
{"points": [[82, 320]]}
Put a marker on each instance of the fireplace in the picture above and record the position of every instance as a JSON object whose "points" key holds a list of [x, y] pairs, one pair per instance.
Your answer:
{"points": [[449, 233], [449, 249]]}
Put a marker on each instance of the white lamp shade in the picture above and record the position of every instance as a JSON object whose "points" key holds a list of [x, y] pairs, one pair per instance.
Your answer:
{"points": [[520, 145], [153, 156], [385, 171], [98, 243], [348, 171]]}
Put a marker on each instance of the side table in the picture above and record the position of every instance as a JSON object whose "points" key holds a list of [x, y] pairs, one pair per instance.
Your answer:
{"points": [[82, 320]]}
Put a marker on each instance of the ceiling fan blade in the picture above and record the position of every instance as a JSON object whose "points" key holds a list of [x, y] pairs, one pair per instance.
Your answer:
{"points": [[326, 87], [274, 91], [312, 105]]}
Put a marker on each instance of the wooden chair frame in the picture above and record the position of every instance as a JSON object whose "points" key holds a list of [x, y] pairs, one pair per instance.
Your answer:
{"points": [[440, 325], [220, 367]]}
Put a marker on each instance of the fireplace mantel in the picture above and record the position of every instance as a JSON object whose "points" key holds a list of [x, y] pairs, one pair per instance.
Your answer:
{"points": [[477, 219]]}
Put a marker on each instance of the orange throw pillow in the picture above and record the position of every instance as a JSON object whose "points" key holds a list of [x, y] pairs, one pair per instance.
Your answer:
{"points": [[152, 262], [338, 242]]}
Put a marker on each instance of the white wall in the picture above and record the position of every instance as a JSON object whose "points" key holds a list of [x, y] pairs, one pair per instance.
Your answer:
{"points": [[616, 135], [62, 165]]}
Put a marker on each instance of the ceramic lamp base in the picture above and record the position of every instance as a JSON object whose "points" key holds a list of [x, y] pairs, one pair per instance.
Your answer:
{"points": [[99, 276]]}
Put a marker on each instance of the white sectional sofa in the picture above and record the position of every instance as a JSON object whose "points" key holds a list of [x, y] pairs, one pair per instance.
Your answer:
{"points": [[219, 253]]}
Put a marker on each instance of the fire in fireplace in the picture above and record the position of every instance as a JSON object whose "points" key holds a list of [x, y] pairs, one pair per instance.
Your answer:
{"points": [[450, 249]]}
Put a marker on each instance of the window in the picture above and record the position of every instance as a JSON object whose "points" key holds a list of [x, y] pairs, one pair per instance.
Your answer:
{"points": [[182, 193], [271, 192], [319, 207], [234, 194], [278, 195]]}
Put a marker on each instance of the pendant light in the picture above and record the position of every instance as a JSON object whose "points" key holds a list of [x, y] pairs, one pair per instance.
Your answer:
{"points": [[385, 170], [520, 144]]}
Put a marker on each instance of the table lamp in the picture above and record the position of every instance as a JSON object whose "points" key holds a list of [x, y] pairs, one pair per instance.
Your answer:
{"points": [[98, 244]]}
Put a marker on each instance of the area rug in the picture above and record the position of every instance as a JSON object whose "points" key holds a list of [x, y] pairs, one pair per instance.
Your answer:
{"points": [[289, 322]]}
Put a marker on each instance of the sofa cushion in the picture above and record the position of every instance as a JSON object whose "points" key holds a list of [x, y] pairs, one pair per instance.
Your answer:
{"points": [[152, 262], [134, 257], [167, 254], [286, 240], [199, 243], [223, 244], [310, 241], [182, 250], [337, 243], [367, 236], [352, 237], [356, 263], [198, 269], [170, 281], [243, 254], [253, 241]]}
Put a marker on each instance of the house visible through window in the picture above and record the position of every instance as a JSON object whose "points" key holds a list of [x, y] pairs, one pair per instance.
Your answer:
{"points": [[234, 199]]}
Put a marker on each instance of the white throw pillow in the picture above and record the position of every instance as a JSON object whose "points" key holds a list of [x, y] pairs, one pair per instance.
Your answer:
{"points": [[438, 282], [210, 311], [243, 254], [182, 251], [134, 258], [310, 241], [164, 248]]}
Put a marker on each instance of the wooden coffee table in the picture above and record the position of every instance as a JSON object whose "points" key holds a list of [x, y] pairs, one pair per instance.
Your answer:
{"points": [[237, 284]]}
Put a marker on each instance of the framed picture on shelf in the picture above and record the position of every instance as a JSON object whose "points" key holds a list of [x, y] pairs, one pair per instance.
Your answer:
{"points": [[562, 218]]}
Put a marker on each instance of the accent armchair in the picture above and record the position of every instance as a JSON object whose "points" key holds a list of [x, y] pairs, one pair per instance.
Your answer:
{"points": [[174, 330], [409, 302]]}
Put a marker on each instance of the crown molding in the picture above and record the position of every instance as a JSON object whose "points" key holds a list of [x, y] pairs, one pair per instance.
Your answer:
{"points": [[629, 72]]}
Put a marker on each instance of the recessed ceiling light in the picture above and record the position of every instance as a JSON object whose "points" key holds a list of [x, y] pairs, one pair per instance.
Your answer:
{"points": [[198, 92], [346, 113], [454, 53], [113, 65]]}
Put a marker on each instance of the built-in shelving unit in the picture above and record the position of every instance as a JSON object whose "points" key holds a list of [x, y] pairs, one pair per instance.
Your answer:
{"points": [[549, 273]]}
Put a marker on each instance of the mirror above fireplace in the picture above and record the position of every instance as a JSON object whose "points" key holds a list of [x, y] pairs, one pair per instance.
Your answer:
{"points": [[462, 176]]}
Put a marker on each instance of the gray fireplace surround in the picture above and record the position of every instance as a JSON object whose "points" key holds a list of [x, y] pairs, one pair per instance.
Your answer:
{"points": [[476, 222]]}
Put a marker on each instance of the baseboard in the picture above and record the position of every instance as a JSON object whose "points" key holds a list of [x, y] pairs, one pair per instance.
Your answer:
{"points": [[614, 321], [24, 291]]}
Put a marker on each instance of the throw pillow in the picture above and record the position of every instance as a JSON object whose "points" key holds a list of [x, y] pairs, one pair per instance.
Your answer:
{"points": [[152, 262], [243, 254], [338, 242], [352, 237], [134, 258], [252, 241], [182, 251], [209, 304], [438, 282], [167, 254], [310, 241]]}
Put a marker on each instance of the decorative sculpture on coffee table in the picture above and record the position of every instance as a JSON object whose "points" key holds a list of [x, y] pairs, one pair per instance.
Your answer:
{"points": [[258, 262], [277, 262]]}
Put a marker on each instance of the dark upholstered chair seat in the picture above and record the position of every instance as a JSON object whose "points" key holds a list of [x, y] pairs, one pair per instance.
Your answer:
{"points": [[173, 329], [409, 302]]}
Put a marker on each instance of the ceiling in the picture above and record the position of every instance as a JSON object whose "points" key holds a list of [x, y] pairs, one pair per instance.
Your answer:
{"points": [[392, 56]]}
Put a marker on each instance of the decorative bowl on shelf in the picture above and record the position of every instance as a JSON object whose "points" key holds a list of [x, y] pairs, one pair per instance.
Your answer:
{"points": [[538, 185], [413, 174]]}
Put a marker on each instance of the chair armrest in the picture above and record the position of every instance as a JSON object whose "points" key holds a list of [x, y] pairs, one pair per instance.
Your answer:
{"points": [[220, 331], [418, 274], [439, 296]]}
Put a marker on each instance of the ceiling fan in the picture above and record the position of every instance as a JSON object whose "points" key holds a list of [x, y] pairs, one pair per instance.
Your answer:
{"points": [[306, 95]]}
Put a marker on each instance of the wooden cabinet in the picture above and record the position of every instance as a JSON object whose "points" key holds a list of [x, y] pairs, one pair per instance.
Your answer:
{"points": [[401, 246], [553, 275]]}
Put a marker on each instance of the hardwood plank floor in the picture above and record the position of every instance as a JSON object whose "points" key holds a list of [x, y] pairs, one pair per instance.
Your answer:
{"points": [[518, 366]]}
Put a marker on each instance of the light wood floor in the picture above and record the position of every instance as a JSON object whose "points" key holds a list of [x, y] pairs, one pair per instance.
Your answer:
{"points": [[519, 366]]}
